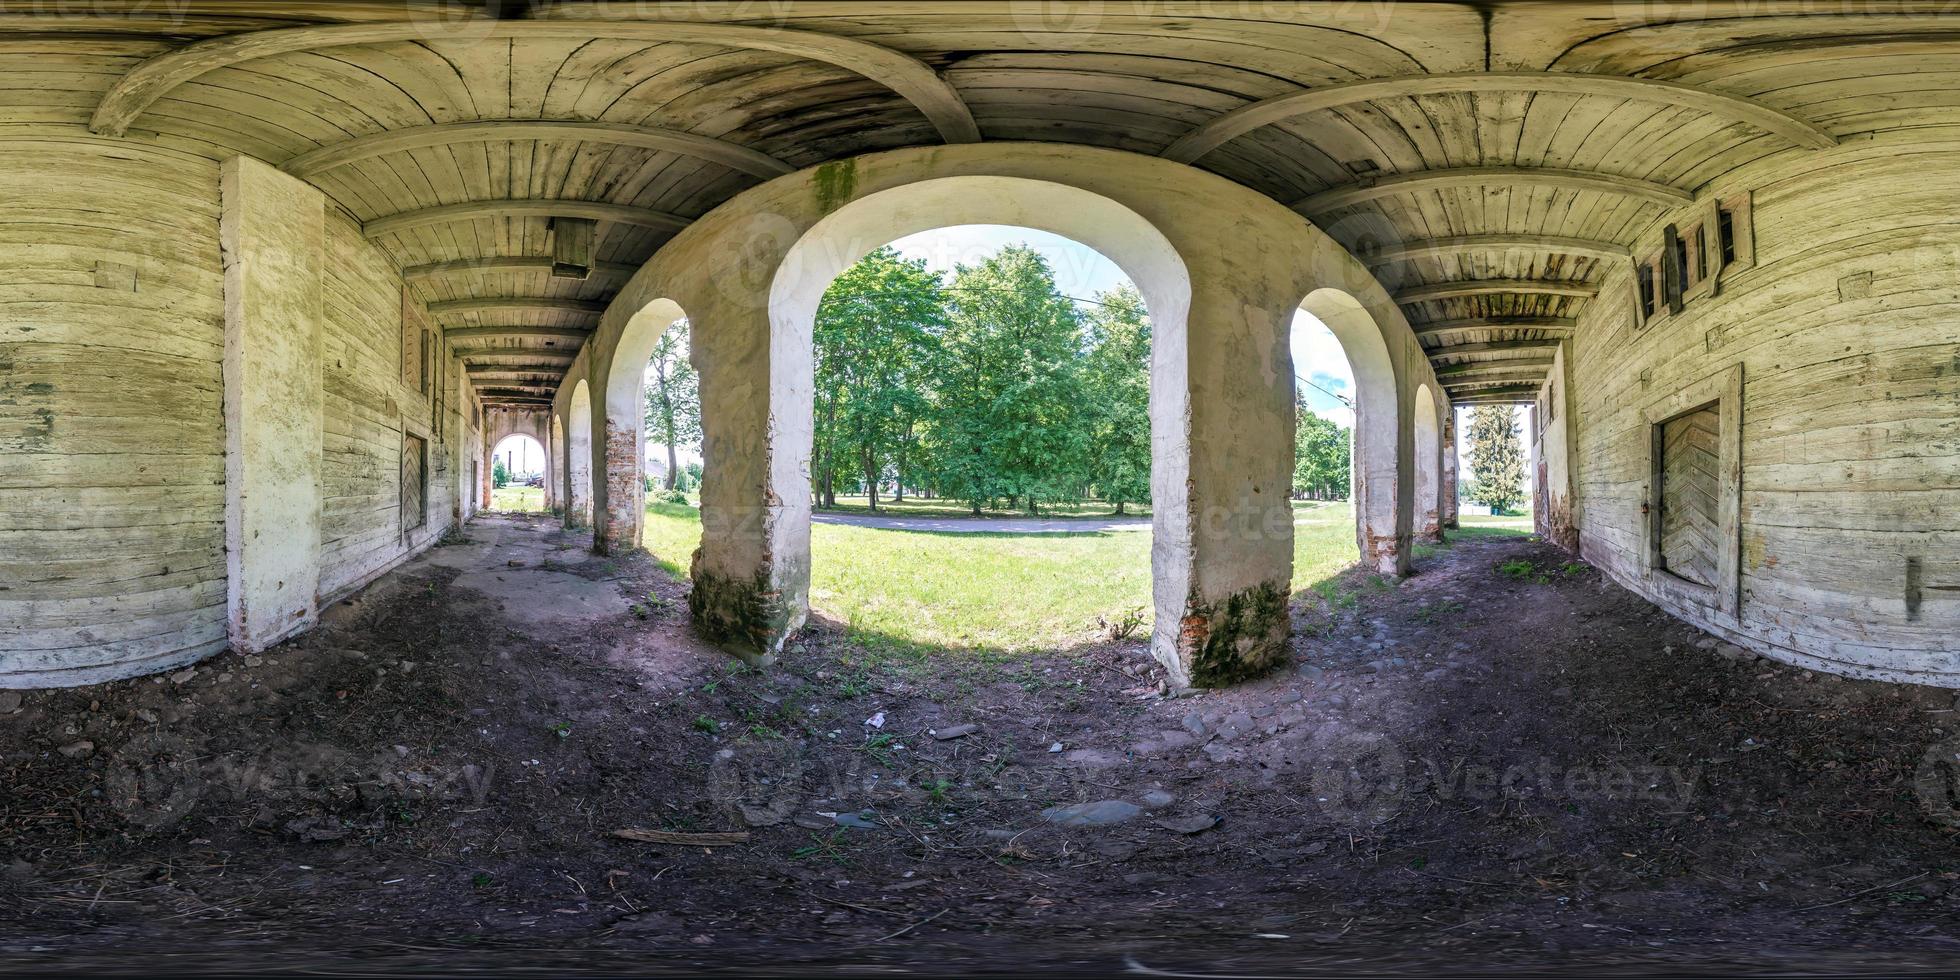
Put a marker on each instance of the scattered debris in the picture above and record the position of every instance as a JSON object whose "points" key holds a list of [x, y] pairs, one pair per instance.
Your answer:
{"points": [[724, 839]]}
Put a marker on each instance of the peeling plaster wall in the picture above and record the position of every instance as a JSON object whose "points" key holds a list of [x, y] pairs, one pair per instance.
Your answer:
{"points": [[1847, 331]]}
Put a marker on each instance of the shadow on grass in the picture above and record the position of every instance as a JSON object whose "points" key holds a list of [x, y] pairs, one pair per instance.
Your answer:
{"points": [[903, 600]]}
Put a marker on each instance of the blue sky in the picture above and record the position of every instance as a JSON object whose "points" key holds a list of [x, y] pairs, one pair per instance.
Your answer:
{"points": [[1083, 272]]}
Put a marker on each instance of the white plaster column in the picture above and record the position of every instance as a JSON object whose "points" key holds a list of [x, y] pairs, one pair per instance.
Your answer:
{"points": [[273, 231]]}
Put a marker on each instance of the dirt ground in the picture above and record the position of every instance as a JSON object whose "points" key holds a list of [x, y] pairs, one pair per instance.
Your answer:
{"points": [[1504, 762]]}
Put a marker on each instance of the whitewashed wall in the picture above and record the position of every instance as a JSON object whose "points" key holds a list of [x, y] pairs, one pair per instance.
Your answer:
{"points": [[112, 558], [1848, 332]]}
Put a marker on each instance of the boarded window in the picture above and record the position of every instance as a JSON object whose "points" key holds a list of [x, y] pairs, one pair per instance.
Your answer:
{"points": [[1690, 494], [415, 482]]}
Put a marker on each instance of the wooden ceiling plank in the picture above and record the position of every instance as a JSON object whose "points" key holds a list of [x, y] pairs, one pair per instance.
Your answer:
{"points": [[1221, 130], [1491, 287], [524, 208], [911, 78], [728, 154], [1428, 180]]}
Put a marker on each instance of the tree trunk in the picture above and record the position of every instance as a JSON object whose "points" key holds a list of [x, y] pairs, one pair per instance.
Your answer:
{"points": [[870, 478], [673, 463], [1119, 508]]}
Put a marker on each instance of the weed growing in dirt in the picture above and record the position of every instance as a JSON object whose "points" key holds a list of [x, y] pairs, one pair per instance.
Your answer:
{"points": [[1430, 612], [880, 748], [827, 848], [707, 724]]}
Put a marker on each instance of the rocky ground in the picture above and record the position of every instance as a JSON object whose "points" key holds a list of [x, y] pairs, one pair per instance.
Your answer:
{"points": [[511, 756]]}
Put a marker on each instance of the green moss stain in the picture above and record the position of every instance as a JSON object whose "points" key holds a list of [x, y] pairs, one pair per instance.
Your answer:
{"points": [[747, 618], [1238, 639], [836, 184]]}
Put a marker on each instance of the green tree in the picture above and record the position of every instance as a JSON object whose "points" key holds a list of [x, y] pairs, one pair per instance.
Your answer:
{"points": [[1496, 457], [1009, 418], [499, 474], [876, 337], [673, 401], [1116, 379], [1321, 454]]}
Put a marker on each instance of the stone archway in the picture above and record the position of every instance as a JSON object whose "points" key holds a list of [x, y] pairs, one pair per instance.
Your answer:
{"points": [[578, 458], [1227, 264], [625, 434], [1428, 469], [1375, 487]]}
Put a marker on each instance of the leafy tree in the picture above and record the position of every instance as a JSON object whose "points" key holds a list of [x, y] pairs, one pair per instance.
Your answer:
{"points": [[673, 401], [876, 336], [1496, 457], [1321, 455], [1117, 383], [1010, 418], [499, 474]]}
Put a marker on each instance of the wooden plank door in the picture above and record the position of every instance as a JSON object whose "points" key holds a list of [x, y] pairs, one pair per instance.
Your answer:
{"points": [[1690, 495]]}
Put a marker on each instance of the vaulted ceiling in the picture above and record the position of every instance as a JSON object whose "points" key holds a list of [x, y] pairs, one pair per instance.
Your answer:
{"points": [[1491, 161]]}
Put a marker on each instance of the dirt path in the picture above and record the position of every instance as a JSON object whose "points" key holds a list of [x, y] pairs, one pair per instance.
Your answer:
{"points": [[1472, 769]]}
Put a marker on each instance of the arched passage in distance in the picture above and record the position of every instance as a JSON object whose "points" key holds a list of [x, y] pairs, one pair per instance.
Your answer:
{"points": [[517, 474]]}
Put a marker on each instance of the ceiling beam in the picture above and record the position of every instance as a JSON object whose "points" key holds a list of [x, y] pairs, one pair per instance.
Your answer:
{"points": [[518, 304], [1471, 244], [510, 265], [732, 155], [1509, 366], [530, 208], [1431, 180], [549, 355], [1558, 325], [911, 78], [1507, 395], [1280, 108], [496, 390], [483, 369], [1492, 287], [471, 333], [1492, 347]]}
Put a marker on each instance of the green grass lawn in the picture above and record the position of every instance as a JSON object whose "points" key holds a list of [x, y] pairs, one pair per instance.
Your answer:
{"points": [[939, 507], [520, 499], [910, 592]]}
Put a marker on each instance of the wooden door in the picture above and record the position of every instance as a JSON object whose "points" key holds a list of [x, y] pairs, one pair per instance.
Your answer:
{"points": [[1690, 495], [414, 483]]}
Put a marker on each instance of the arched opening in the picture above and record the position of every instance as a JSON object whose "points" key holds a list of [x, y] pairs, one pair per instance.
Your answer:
{"points": [[578, 458], [1374, 485], [555, 487], [1428, 469], [1129, 242], [1324, 511], [517, 475], [659, 330]]}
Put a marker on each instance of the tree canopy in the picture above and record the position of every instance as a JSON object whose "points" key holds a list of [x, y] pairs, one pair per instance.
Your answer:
{"points": [[985, 386], [673, 400], [1496, 457]]}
